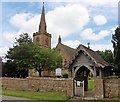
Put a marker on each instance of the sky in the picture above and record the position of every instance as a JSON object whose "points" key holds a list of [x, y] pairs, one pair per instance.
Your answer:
{"points": [[76, 21]]}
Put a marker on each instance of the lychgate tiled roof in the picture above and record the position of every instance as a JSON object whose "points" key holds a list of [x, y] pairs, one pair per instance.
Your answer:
{"points": [[92, 54]]}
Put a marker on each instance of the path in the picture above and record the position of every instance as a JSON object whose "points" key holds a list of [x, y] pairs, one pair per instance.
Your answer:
{"points": [[13, 98], [16, 99]]}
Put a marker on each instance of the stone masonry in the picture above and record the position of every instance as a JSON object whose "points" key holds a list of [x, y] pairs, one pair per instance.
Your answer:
{"points": [[99, 91], [40, 83], [107, 88], [103, 88], [111, 88]]}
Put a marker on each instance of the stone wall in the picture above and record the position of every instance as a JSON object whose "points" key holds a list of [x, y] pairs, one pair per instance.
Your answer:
{"points": [[111, 88], [119, 89], [99, 88], [107, 88], [40, 83]]}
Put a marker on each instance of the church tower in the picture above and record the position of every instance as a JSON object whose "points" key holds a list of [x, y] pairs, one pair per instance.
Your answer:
{"points": [[42, 37]]}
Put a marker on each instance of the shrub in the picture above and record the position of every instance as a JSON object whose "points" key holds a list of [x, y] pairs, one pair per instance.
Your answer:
{"points": [[65, 75]]}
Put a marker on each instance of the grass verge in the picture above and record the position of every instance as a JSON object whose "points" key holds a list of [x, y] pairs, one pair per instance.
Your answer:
{"points": [[36, 95], [90, 85]]}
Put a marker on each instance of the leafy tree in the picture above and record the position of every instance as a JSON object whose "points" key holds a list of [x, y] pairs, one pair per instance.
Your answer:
{"points": [[107, 55], [44, 59], [13, 68], [9, 69], [27, 55], [23, 39], [116, 46]]}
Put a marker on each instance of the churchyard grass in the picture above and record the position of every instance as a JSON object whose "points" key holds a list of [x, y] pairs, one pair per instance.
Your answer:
{"points": [[91, 84], [36, 95]]}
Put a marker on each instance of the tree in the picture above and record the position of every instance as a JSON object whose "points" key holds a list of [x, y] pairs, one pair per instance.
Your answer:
{"points": [[9, 69], [27, 55], [107, 55], [23, 39], [44, 59], [116, 46], [14, 67]]}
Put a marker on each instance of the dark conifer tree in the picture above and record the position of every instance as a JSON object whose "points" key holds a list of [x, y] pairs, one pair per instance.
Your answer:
{"points": [[116, 46]]}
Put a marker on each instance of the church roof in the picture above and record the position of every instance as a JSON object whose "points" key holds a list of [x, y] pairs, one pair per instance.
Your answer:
{"points": [[98, 60], [70, 51]]}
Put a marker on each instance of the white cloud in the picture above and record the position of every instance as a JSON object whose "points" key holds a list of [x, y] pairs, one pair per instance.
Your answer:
{"points": [[62, 20], [100, 20], [9, 37], [26, 22], [113, 29], [67, 20], [97, 3], [90, 35], [3, 51], [102, 47], [72, 44]]}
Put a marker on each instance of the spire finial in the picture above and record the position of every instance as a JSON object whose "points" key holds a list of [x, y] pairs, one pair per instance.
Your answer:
{"points": [[42, 26], [59, 39]]}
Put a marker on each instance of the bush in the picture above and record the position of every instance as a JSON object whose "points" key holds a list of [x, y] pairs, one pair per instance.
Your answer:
{"points": [[65, 75]]}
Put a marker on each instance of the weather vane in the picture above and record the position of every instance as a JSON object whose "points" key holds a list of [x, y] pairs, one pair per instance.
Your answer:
{"points": [[88, 45]]}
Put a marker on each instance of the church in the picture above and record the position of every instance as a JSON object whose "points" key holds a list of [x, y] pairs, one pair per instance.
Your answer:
{"points": [[81, 61]]}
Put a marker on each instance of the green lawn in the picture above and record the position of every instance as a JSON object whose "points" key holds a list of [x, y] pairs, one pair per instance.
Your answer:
{"points": [[36, 95], [90, 84]]}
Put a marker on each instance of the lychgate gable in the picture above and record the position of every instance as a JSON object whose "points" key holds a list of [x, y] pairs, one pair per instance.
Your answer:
{"points": [[90, 59]]}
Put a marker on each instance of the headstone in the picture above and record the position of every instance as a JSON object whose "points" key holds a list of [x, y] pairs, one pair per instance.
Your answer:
{"points": [[58, 72]]}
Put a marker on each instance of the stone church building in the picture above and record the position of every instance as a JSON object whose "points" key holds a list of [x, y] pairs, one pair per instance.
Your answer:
{"points": [[79, 62]]}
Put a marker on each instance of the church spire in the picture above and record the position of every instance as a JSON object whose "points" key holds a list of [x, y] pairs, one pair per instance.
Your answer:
{"points": [[42, 26], [59, 39]]}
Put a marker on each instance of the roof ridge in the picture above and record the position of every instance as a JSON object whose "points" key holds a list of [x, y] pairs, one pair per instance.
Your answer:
{"points": [[94, 55], [68, 46]]}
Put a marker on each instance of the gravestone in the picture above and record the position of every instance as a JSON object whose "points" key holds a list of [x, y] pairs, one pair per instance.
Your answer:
{"points": [[58, 72]]}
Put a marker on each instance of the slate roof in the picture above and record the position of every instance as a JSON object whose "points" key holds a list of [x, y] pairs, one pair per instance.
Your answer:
{"points": [[92, 54], [70, 51], [96, 56]]}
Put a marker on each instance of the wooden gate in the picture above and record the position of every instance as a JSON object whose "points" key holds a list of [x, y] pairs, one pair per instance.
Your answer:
{"points": [[79, 88]]}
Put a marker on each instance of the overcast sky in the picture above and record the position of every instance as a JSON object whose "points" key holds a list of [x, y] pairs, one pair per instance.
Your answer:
{"points": [[77, 22]]}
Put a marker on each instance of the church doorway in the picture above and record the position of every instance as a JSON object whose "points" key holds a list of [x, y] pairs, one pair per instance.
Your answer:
{"points": [[84, 81]]}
